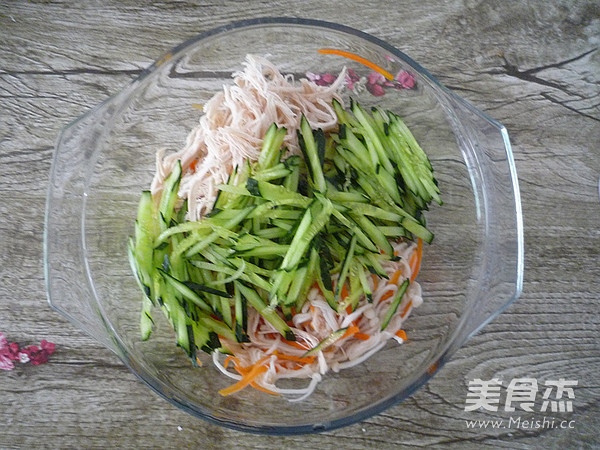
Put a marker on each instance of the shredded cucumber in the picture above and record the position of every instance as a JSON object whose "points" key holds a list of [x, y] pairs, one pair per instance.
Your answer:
{"points": [[281, 224]]}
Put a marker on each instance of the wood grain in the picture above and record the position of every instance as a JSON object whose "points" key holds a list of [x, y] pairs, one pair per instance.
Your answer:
{"points": [[534, 66]]}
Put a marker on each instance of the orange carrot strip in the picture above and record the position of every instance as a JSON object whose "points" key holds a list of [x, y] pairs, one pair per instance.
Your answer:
{"points": [[350, 331], [245, 381], [255, 385], [227, 360], [297, 345], [417, 265], [387, 295], [360, 59], [298, 359], [402, 335], [362, 336], [375, 282], [344, 292], [396, 277], [406, 308]]}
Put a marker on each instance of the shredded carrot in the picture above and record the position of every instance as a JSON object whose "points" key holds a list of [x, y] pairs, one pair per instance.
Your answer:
{"points": [[298, 359], [344, 292], [193, 165], [297, 345], [402, 335], [248, 374], [415, 260], [406, 308], [228, 359], [360, 59], [385, 296], [362, 336], [245, 381], [396, 277], [350, 331], [375, 282]]}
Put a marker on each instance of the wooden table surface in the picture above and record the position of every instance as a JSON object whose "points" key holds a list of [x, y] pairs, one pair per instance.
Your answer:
{"points": [[533, 65]]}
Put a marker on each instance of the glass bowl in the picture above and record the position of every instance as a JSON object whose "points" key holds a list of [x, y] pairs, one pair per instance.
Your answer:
{"points": [[103, 160]]}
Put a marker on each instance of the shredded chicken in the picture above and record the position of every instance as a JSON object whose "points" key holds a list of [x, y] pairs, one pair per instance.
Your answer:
{"points": [[235, 122], [316, 321]]}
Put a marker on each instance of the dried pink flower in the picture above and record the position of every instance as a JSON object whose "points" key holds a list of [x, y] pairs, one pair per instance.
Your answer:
{"points": [[375, 89], [351, 78], [10, 352], [404, 80]]}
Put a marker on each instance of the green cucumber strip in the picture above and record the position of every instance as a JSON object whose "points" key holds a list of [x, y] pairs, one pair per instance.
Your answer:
{"points": [[205, 339], [362, 238], [270, 152], [169, 196], [323, 277], [269, 314], [272, 233], [346, 196], [274, 192], [266, 252], [393, 231], [186, 291], [371, 261], [345, 266], [366, 209], [343, 115], [146, 285], [182, 331], [146, 320], [366, 155], [204, 227], [218, 327], [418, 230], [241, 316], [274, 173], [362, 276], [394, 305], [296, 286], [327, 342], [371, 134], [294, 253], [313, 147], [311, 273], [374, 234], [355, 292], [212, 237]]}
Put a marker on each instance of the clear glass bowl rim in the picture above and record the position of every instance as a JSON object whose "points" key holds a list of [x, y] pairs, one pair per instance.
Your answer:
{"points": [[453, 344]]}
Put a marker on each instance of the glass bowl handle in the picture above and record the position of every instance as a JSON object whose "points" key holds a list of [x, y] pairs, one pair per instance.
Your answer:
{"points": [[69, 289], [489, 158]]}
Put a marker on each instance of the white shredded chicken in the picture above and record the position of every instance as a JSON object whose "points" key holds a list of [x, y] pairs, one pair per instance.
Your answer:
{"points": [[235, 122], [315, 322]]}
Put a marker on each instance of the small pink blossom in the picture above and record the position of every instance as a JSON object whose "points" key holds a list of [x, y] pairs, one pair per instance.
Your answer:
{"points": [[10, 352], [375, 89], [6, 363], [375, 78], [325, 79], [49, 347], [404, 80], [351, 78]]}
